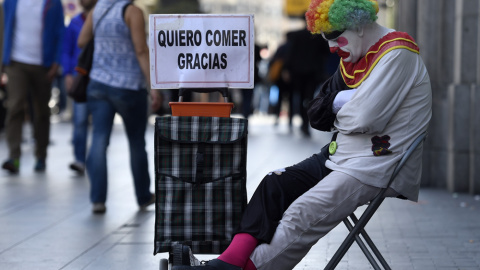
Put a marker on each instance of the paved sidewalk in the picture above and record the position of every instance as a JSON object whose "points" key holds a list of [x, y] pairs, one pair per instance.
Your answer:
{"points": [[46, 220]]}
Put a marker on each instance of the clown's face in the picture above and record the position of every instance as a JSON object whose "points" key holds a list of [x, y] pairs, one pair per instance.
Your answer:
{"points": [[348, 45]]}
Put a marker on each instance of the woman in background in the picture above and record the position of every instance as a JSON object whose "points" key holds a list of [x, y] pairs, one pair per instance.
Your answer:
{"points": [[118, 85]]}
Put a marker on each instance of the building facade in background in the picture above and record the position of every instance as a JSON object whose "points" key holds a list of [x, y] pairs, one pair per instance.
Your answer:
{"points": [[448, 33]]}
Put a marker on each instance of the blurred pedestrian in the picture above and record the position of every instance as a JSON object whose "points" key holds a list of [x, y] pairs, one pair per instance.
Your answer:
{"points": [[1, 35], [279, 76], [32, 43], [247, 94], [117, 85], [2, 88], [69, 61], [306, 61], [59, 95]]}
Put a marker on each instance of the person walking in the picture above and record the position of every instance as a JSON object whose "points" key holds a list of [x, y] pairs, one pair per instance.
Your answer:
{"points": [[117, 85], [305, 63], [69, 61], [2, 85], [278, 76], [31, 62]]}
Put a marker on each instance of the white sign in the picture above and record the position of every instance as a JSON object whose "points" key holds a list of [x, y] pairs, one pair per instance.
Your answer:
{"points": [[201, 51]]}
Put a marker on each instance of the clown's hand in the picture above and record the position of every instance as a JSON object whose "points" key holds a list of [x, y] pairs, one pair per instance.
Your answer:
{"points": [[277, 171], [341, 98]]}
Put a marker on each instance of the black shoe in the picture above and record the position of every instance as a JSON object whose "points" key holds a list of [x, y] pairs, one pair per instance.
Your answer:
{"points": [[305, 131], [99, 208], [78, 167], [40, 166], [11, 165], [214, 264], [143, 207]]}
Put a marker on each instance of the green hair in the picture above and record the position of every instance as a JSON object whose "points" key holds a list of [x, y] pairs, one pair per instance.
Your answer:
{"points": [[338, 15]]}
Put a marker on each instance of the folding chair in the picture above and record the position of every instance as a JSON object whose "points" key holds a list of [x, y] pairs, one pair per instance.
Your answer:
{"points": [[356, 226]]}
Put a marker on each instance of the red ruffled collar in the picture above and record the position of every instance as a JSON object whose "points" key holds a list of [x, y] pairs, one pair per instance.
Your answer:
{"points": [[355, 73]]}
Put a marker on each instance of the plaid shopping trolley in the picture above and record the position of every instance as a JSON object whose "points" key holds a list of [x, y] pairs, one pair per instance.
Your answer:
{"points": [[200, 181]]}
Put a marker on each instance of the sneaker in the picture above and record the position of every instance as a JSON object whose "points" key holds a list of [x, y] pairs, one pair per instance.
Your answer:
{"points": [[11, 165], [78, 167], [40, 166], [143, 207], [99, 208]]}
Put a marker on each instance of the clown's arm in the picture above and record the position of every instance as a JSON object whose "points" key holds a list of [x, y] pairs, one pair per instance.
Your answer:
{"points": [[380, 95], [321, 111]]}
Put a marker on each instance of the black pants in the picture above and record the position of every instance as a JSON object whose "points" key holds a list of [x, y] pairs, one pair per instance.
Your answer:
{"points": [[304, 84], [276, 192]]}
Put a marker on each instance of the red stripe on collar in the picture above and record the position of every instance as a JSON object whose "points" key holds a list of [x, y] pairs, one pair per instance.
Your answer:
{"points": [[355, 73]]}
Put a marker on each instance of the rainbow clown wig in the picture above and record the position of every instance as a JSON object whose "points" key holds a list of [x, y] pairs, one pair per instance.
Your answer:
{"points": [[326, 16]]}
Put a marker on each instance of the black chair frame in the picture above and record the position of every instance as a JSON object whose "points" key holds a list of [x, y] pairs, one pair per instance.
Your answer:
{"points": [[357, 225]]}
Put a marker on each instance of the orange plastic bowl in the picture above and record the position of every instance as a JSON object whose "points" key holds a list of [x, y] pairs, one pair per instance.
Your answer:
{"points": [[210, 109]]}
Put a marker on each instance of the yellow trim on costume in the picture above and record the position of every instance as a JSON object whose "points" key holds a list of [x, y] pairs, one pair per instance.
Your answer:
{"points": [[379, 48], [370, 68]]}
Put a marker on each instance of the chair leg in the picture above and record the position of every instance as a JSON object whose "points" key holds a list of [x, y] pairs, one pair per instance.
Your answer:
{"points": [[354, 232], [364, 247], [347, 243], [367, 253], [370, 243]]}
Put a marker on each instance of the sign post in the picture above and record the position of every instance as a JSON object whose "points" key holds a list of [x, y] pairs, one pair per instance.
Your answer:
{"points": [[201, 51]]}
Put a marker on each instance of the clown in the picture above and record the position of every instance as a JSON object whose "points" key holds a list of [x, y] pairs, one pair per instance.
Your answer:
{"points": [[377, 102]]}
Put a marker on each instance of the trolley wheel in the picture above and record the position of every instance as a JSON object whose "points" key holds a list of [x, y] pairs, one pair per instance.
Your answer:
{"points": [[163, 264], [182, 255]]}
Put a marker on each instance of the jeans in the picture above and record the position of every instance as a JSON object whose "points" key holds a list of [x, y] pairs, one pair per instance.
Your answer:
{"points": [[104, 102], [80, 131]]}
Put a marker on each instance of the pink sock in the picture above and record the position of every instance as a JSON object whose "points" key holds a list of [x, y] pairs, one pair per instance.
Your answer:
{"points": [[249, 265], [239, 250]]}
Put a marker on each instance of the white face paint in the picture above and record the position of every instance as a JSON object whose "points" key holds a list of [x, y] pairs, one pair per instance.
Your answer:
{"points": [[348, 46]]}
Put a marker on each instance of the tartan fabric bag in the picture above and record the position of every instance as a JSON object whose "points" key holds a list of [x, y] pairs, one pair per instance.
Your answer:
{"points": [[200, 181]]}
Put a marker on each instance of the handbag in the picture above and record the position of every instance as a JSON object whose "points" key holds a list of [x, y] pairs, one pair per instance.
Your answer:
{"points": [[78, 91]]}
